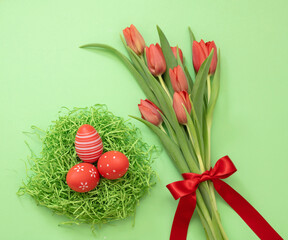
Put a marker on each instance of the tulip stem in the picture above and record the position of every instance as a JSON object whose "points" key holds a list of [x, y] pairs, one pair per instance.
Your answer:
{"points": [[142, 58], [197, 150], [164, 86], [208, 165], [208, 87], [162, 128], [208, 146]]}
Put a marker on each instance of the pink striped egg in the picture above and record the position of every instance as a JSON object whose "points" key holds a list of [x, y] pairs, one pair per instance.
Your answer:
{"points": [[88, 144]]}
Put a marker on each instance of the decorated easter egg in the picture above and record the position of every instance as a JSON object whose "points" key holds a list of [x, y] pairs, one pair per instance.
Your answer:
{"points": [[88, 144], [83, 177], [113, 165]]}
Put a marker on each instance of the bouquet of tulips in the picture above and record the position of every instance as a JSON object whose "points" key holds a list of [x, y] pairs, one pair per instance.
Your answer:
{"points": [[179, 110], [179, 106]]}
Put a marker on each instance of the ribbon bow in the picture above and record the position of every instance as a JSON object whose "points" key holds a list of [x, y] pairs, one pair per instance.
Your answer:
{"points": [[186, 191]]}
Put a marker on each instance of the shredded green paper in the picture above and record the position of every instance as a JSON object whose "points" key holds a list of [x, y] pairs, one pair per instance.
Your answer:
{"points": [[111, 199]]}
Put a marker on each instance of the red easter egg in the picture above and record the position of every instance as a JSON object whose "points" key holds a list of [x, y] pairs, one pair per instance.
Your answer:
{"points": [[113, 165], [83, 177], [88, 144]]}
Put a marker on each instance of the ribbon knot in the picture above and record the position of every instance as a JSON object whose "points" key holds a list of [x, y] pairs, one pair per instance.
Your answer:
{"points": [[222, 169], [205, 176], [186, 191]]}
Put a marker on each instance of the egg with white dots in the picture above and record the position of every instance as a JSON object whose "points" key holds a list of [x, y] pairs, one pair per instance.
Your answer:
{"points": [[83, 177], [113, 165]]}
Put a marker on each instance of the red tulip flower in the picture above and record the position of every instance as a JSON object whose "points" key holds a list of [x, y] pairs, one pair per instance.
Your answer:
{"points": [[149, 112], [155, 59], [201, 51], [178, 79], [174, 50], [134, 39], [180, 99]]}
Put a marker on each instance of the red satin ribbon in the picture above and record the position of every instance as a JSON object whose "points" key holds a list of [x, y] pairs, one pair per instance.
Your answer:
{"points": [[186, 191]]}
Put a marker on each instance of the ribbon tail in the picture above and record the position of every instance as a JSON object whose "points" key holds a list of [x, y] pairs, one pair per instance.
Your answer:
{"points": [[182, 217], [246, 211]]}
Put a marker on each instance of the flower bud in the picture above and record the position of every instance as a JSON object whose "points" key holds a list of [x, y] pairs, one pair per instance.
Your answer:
{"points": [[178, 79], [201, 51], [180, 99], [155, 59], [134, 39], [149, 112], [174, 50]]}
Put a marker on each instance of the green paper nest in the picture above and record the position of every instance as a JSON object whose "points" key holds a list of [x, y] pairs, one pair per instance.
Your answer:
{"points": [[111, 199]]}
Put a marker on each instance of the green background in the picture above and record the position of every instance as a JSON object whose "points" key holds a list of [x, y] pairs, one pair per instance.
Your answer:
{"points": [[42, 69]]}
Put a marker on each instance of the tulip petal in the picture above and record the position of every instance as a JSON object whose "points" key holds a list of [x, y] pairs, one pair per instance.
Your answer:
{"points": [[182, 80], [153, 108], [187, 101], [127, 36], [155, 60], [204, 48], [187, 75], [174, 50], [173, 79], [149, 57], [138, 41], [177, 105], [198, 55], [181, 99], [150, 116], [178, 79], [152, 57], [160, 63], [212, 45]]}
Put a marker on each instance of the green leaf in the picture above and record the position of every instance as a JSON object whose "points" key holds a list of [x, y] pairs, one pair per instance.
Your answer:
{"points": [[208, 234], [187, 75], [198, 129], [136, 65], [216, 227], [198, 91], [167, 109], [154, 84], [192, 36], [140, 68], [172, 149], [191, 147], [194, 137], [170, 59], [132, 57], [169, 128], [125, 45], [167, 51], [147, 91], [214, 91], [192, 39], [189, 78], [157, 89]]}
